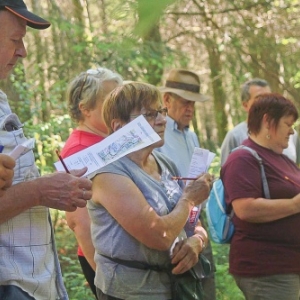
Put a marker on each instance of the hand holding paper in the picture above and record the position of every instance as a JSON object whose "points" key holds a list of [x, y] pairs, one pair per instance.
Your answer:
{"points": [[200, 163], [22, 148]]}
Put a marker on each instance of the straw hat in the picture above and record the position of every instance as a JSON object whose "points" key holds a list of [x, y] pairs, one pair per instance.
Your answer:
{"points": [[185, 84]]}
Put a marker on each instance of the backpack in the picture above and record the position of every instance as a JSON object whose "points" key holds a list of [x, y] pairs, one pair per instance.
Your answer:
{"points": [[219, 219]]}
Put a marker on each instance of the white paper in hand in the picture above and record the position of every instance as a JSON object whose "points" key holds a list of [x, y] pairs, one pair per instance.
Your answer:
{"points": [[22, 148], [200, 163]]}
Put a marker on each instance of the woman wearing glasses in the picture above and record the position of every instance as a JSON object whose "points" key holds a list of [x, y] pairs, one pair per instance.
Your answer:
{"points": [[85, 95], [265, 249], [137, 210]]}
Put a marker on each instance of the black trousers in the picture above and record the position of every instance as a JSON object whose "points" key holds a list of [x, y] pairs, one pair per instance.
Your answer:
{"points": [[88, 273], [102, 296], [208, 283], [12, 292]]}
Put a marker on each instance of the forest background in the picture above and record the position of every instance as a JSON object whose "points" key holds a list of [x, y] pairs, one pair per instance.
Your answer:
{"points": [[224, 41]]}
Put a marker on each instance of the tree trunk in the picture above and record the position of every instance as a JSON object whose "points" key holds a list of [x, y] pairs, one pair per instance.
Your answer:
{"points": [[218, 91]]}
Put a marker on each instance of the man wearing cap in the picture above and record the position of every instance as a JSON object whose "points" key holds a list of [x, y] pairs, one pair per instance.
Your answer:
{"points": [[181, 91], [29, 267]]}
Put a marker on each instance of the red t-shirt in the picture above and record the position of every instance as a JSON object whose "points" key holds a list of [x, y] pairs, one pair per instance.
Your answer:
{"points": [[259, 249], [77, 141]]}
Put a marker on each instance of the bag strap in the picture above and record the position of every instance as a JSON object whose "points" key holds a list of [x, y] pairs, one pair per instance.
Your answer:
{"points": [[262, 170], [135, 264], [200, 270]]}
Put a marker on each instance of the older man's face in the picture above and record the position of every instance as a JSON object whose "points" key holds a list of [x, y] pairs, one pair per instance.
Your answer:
{"points": [[255, 91], [12, 31], [179, 109]]}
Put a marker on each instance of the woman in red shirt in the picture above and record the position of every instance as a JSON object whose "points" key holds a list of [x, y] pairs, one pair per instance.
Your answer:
{"points": [[85, 95]]}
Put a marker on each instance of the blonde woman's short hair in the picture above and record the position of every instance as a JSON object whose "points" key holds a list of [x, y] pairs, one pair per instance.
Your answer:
{"points": [[123, 100]]}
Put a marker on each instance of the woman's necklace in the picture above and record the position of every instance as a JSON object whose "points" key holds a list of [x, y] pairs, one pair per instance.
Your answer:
{"points": [[99, 132]]}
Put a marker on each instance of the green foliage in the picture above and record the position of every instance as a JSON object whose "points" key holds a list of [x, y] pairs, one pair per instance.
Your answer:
{"points": [[49, 136], [214, 167], [149, 13], [226, 288], [248, 44], [130, 57]]}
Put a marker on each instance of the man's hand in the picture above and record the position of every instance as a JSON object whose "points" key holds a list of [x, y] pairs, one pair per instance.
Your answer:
{"points": [[7, 165], [64, 191]]}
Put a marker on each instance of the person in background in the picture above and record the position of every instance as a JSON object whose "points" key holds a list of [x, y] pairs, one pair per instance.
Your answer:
{"points": [[85, 95], [138, 210], [264, 253], [250, 90], [181, 91], [29, 266]]}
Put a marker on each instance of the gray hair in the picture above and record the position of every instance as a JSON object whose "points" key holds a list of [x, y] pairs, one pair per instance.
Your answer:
{"points": [[87, 88], [245, 95]]}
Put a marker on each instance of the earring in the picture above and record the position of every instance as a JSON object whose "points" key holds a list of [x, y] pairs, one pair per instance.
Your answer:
{"points": [[268, 136]]}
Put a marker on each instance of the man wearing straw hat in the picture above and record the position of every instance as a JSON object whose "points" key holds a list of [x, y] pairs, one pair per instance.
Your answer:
{"points": [[181, 91]]}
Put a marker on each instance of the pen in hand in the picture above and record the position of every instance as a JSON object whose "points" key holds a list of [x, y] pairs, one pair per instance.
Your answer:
{"points": [[184, 178], [62, 162]]}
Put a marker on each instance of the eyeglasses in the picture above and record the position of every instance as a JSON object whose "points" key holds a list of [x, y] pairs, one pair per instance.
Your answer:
{"points": [[152, 115], [87, 73]]}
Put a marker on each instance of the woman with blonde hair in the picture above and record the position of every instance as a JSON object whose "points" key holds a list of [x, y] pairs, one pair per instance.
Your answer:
{"points": [[138, 211]]}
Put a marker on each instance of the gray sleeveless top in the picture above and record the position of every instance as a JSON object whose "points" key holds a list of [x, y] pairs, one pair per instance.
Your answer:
{"points": [[112, 240]]}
